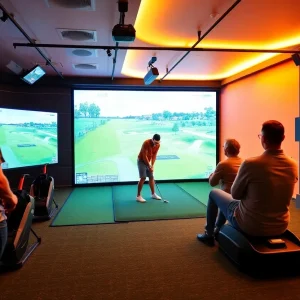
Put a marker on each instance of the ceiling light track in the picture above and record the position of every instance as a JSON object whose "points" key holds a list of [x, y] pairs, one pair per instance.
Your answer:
{"points": [[32, 43], [178, 49], [114, 61], [201, 38]]}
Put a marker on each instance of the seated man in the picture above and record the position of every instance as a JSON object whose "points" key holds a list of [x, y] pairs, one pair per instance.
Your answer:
{"points": [[226, 172], [227, 169], [8, 202], [264, 186]]}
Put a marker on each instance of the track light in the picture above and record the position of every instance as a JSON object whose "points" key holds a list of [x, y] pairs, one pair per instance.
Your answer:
{"points": [[152, 73], [4, 16], [108, 52], [296, 59]]}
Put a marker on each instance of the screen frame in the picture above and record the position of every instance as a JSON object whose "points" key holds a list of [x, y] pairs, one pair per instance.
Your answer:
{"points": [[29, 71], [38, 165], [143, 88]]}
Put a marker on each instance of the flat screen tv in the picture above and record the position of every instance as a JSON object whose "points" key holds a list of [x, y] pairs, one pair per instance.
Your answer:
{"points": [[111, 125], [33, 75], [28, 138]]}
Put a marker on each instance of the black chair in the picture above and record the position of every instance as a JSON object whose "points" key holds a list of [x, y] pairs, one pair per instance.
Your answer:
{"points": [[42, 190], [19, 223], [261, 255]]}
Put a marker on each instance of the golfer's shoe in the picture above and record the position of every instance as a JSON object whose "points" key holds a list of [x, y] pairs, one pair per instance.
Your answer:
{"points": [[140, 199], [156, 197]]}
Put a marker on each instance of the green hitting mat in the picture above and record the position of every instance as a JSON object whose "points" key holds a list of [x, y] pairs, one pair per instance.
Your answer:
{"points": [[86, 205], [199, 190], [181, 203]]}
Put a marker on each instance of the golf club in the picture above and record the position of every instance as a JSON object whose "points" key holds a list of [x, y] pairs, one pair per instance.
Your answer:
{"points": [[162, 198]]}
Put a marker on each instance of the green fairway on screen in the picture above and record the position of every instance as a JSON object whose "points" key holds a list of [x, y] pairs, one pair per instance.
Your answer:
{"points": [[27, 138], [111, 126]]}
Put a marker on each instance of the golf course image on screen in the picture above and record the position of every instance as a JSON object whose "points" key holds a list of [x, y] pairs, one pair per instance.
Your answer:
{"points": [[111, 126], [27, 138]]}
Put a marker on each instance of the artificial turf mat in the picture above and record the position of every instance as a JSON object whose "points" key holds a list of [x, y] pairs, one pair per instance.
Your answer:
{"points": [[86, 205], [199, 190], [181, 204]]}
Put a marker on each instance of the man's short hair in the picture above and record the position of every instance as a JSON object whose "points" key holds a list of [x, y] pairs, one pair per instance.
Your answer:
{"points": [[232, 146], [273, 132], [156, 137]]}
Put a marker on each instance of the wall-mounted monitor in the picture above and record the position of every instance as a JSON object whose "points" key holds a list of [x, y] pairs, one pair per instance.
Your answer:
{"points": [[28, 138], [111, 125], [33, 75]]}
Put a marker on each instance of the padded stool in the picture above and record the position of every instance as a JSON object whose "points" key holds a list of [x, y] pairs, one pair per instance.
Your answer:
{"points": [[260, 254]]}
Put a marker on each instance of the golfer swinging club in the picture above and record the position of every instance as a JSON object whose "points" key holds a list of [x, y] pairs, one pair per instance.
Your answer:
{"points": [[145, 162]]}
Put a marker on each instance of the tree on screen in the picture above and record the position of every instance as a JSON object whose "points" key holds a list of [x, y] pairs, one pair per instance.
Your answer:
{"points": [[157, 116], [87, 111], [94, 111], [167, 115], [210, 113], [84, 108], [175, 128], [77, 113]]}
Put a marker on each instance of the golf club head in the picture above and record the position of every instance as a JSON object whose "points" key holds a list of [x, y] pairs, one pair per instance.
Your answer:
{"points": [[166, 201]]}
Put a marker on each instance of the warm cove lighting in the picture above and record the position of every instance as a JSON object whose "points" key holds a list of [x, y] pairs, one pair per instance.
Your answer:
{"points": [[231, 69], [157, 37], [152, 32], [140, 73]]}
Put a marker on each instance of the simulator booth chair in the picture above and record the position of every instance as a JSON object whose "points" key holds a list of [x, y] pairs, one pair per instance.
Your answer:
{"points": [[19, 223], [257, 255], [42, 190]]}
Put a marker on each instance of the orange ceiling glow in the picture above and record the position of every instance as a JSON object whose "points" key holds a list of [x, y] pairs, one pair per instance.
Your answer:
{"points": [[151, 32]]}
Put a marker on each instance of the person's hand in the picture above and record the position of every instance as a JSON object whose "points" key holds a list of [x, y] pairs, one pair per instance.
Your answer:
{"points": [[10, 205], [151, 169]]}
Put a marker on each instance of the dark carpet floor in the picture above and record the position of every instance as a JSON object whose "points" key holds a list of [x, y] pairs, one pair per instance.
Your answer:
{"points": [[159, 260]]}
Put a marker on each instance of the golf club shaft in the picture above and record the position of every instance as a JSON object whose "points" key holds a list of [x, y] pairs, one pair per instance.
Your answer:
{"points": [[158, 189], [162, 198]]}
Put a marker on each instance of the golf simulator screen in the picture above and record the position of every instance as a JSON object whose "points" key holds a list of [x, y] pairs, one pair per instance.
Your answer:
{"points": [[27, 138], [111, 126]]}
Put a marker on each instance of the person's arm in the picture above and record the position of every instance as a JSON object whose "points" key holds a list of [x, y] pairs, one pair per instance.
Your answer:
{"points": [[9, 199], [216, 176], [239, 186], [154, 156], [144, 155]]}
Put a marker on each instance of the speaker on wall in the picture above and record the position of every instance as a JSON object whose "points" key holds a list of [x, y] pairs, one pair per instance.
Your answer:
{"points": [[296, 59]]}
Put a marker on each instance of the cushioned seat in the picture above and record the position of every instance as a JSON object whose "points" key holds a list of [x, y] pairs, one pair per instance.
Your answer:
{"points": [[42, 190], [260, 254]]}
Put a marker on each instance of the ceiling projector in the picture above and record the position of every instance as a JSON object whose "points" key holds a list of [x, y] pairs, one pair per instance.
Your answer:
{"points": [[151, 76], [123, 33]]}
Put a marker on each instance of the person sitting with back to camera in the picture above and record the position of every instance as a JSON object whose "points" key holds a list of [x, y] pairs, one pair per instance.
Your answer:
{"points": [[227, 169], [8, 202], [264, 186], [146, 160], [225, 173]]}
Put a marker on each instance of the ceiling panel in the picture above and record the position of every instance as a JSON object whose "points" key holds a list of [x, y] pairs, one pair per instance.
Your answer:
{"points": [[269, 24]]}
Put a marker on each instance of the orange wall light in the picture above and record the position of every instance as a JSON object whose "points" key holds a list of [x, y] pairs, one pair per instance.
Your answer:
{"points": [[150, 32]]}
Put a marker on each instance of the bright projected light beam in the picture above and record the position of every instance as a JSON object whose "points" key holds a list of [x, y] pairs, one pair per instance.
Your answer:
{"points": [[110, 127], [27, 138]]}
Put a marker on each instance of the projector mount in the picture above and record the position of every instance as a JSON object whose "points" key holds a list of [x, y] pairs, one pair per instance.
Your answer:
{"points": [[152, 61], [123, 8]]}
